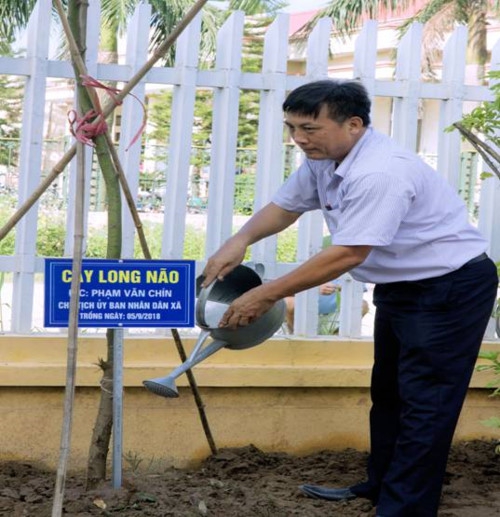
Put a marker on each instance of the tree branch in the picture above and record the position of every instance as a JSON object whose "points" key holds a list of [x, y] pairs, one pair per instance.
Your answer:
{"points": [[487, 152]]}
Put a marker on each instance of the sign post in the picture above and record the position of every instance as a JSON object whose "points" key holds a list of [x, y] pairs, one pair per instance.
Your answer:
{"points": [[121, 294], [117, 407]]}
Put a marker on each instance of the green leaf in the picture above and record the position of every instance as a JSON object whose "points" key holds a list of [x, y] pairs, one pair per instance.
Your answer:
{"points": [[490, 355], [493, 422]]}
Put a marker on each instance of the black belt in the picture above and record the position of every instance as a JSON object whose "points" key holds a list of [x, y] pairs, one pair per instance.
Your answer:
{"points": [[479, 258]]}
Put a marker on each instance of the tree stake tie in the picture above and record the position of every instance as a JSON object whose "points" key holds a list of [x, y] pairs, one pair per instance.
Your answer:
{"points": [[85, 129]]}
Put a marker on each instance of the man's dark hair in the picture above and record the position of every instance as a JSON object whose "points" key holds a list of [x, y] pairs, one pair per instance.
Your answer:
{"points": [[343, 98]]}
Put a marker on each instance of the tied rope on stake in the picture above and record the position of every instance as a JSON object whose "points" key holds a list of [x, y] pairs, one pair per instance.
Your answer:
{"points": [[92, 124]]}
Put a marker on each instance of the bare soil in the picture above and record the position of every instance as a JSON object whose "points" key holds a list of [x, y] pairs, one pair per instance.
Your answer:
{"points": [[247, 482]]}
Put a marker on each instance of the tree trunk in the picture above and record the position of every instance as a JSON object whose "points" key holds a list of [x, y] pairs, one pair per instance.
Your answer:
{"points": [[101, 436]]}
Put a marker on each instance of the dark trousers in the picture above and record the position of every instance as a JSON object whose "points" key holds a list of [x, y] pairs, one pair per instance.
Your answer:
{"points": [[427, 338]]}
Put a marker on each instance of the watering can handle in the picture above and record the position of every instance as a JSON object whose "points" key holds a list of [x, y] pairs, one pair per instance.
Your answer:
{"points": [[205, 292], [258, 267], [202, 300]]}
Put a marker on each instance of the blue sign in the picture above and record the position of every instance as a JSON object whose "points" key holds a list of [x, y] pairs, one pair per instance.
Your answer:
{"points": [[122, 293]]}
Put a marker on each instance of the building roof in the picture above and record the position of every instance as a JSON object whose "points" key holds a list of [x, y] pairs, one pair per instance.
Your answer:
{"points": [[298, 20]]}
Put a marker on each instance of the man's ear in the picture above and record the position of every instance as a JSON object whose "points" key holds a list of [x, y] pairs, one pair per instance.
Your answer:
{"points": [[355, 125]]}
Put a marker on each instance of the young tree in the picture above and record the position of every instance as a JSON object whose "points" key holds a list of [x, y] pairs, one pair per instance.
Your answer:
{"points": [[96, 466]]}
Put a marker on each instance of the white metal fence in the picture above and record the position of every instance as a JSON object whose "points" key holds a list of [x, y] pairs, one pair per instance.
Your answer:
{"points": [[227, 80]]}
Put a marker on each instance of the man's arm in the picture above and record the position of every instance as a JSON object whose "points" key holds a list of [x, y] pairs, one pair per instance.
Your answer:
{"points": [[268, 221], [322, 267]]}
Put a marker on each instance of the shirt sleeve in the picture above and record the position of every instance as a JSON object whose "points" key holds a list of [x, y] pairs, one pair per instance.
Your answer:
{"points": [[372, 210], [299, 193]]}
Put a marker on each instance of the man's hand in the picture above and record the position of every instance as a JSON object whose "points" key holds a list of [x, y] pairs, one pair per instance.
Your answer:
{"points": [[230, 255], [267, 221], [246, 309], [328, 288]]}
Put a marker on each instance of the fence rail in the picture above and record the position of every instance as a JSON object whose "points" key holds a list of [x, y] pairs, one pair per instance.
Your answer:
{"points": [[406, 92]]}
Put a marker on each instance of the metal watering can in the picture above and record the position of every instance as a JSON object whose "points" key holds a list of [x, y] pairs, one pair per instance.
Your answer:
{"points": [[212, 302]]}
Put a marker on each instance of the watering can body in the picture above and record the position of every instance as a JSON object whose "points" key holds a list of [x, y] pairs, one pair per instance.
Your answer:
{"points": [[212, 302]]}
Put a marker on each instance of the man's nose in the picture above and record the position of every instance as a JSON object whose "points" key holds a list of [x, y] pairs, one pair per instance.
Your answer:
{"points": [[300, 137]]}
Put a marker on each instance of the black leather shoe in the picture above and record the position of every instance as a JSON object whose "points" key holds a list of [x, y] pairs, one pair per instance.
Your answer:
{"points": [[330, 494]]}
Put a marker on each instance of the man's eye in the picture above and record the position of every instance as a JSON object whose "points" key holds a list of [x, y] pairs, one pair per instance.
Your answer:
{"points": [[309, 129]]}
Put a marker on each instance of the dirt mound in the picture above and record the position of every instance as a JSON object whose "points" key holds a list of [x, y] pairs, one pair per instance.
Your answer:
{"points": [[247, 482]]}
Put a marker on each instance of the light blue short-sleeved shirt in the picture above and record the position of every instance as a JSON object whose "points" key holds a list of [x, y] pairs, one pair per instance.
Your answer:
{"points": [[387, 197]]}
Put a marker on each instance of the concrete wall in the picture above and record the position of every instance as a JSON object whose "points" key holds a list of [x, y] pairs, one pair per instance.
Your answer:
{"points": [[284, 395]]}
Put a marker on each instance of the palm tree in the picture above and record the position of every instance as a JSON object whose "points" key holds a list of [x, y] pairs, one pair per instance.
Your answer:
{"points": [[439, 17], [13, 16]]}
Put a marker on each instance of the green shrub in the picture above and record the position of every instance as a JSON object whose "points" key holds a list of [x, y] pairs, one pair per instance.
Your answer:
{"points": [[287, 246], [51, 236], [153, 235], [96, 244], [492, 364], [7, 209], [244, 185], [194, 244], [7, 243]]}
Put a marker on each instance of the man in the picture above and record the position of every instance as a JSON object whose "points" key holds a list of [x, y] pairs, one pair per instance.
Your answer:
{"points": [[328, 308], [395, 222]]}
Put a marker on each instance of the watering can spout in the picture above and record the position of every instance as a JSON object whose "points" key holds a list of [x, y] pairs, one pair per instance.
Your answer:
{"points": [[165, 386]]}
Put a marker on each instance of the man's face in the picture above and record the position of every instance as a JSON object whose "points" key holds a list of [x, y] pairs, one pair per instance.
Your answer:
{"points": [[322, 138]]}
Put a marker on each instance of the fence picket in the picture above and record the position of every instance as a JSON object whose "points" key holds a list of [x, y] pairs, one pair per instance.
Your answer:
{"points": [[365, 56], [30, 164], [451, 107], [224, 133], [406, 88], [132, 114], [270, 162], [408, 72], [183, 99]]}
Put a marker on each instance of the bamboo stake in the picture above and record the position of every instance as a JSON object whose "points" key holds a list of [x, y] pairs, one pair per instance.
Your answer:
{"points": [[107, 110], [72, 336], [35, 195], [82, 70]]}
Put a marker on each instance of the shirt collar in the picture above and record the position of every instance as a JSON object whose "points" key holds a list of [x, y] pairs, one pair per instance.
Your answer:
{"points": [[343, 167]]}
